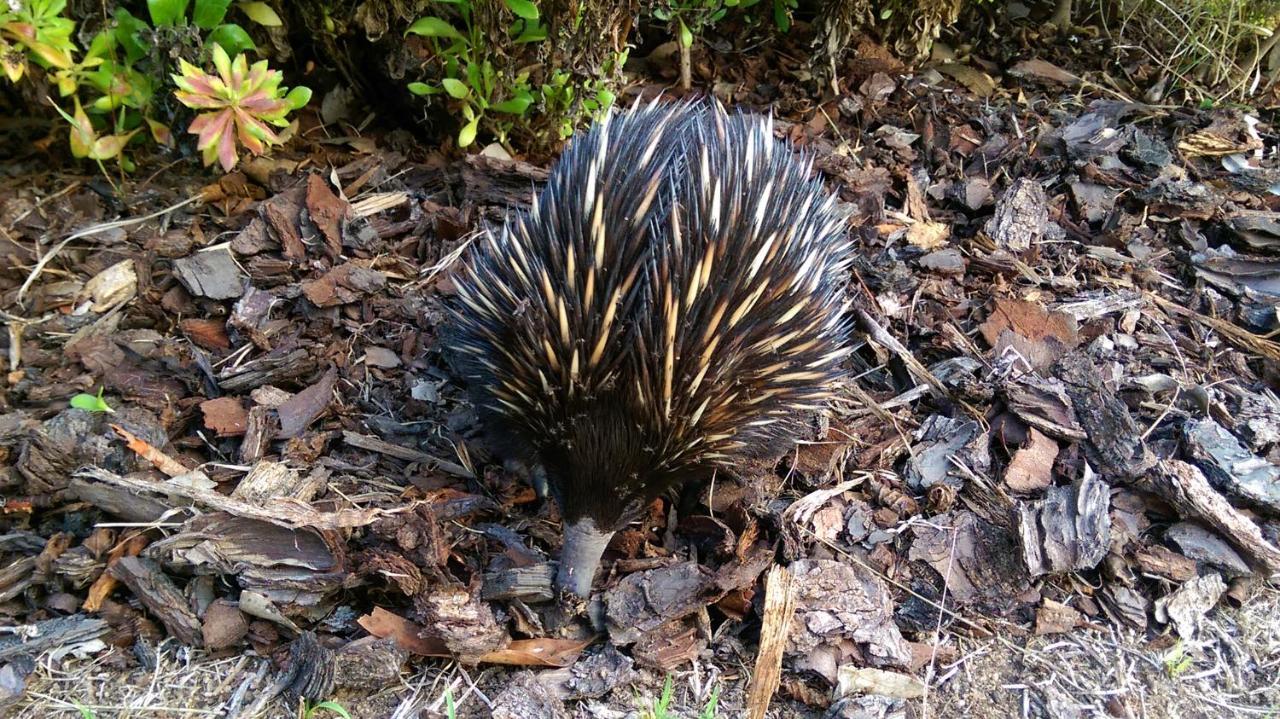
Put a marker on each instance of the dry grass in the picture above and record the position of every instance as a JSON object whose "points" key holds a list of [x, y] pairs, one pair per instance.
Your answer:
{"points": [[1231, 670]]}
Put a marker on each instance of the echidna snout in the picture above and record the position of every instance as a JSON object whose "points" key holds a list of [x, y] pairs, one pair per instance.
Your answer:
{"points": [[671, 303]]}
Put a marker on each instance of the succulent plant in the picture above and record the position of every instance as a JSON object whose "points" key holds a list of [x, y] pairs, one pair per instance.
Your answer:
{"points": [[240, 103]]}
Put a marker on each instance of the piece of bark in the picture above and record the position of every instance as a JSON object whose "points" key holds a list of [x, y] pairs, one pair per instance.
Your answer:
{"points": [[1021, 218], [1070, 529], [344, 284], [866, 681], [843, 612], [1231, 468], [597, 674], [14, 677], [282, 214], [368, 664], [373, 444], [1164, 562], [1115, 446], [210, 273], [524, 697], [261, 426], [300, 410], [40, 637], [1056, 618], [16, 577], [161, 598], [779, 612], [207, 333], [644, 601], [270, 369], [327, 212], [120, 502], [309, 670], [1186, 488], [1186, 606], [269, 480], [465, 624], [1031, 468], [283, 512], [671, 645], [226, 416], [296, 568], [106, 582], [527, 584], [1203, 546], [1042, 402], [979, 561]]}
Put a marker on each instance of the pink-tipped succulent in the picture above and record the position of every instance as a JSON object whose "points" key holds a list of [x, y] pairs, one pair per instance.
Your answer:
{"points": [[241, 102]]}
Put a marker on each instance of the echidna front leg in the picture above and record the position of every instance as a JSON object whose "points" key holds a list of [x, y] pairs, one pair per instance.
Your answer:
{"points": [[580, 556]]}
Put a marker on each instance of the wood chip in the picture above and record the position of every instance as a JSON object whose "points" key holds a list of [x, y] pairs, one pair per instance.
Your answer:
{"points": [[779, 609]]}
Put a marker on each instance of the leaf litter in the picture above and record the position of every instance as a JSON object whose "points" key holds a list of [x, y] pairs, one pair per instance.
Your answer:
{"points": [[1060, 443]]}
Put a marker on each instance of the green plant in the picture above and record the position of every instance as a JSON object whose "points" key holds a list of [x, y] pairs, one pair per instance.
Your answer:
{"points": [[569, 102], [469, 76], [709, 711], [39, 29], [660, 707], [117, 87], [1177, 661], [238, 103], [688, 19], [450, 710], [91, 403], [329, 706]]}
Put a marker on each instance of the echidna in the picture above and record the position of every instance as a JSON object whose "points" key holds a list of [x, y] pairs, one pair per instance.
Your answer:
{"points": [[671, 303]]}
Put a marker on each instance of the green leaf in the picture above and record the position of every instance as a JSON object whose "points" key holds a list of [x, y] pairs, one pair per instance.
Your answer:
{"points": [[101, 45], [330, 706], [166, 12], [422, 88], [232, 38], [433, 27], [523, 9], [536, 32], [780, 16], [662, 14], [468, 133], [514, 106], [209, 13], [91, 403], [298, 97], [456, 88], [130, 32], [261, 13], [686, 36]]}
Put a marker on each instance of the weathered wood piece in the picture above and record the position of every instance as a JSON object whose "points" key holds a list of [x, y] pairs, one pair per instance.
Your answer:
{"points": [[1068, 530], [149, 584]]}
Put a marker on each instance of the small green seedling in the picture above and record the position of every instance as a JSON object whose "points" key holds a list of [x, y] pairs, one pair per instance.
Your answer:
{"points": [[660, 709], [92, 403], [1177, 661], [329, 706], [450, 710], [709, 711]]}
